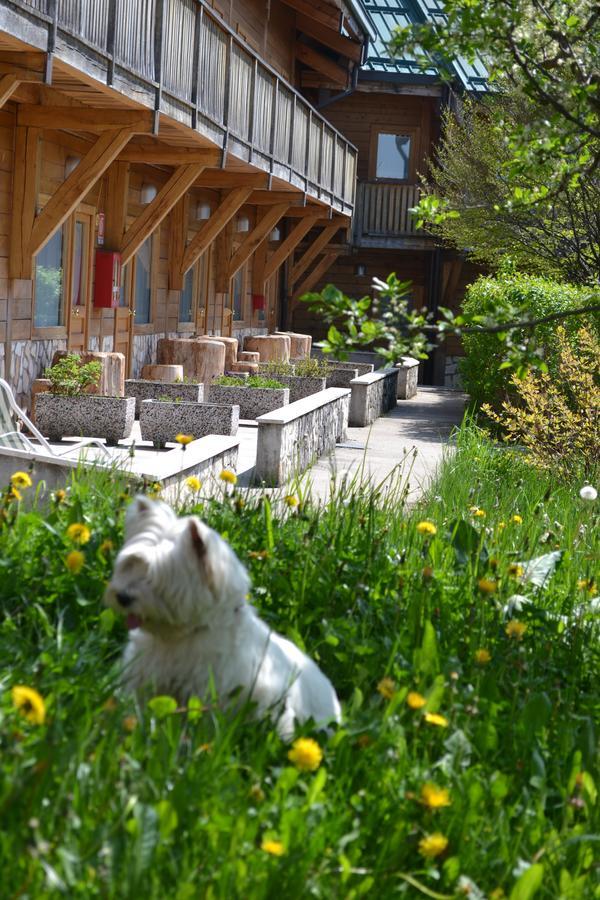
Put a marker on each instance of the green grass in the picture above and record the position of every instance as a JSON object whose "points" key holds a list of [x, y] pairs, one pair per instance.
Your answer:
{"points": [[112, 801], [253, 381]]}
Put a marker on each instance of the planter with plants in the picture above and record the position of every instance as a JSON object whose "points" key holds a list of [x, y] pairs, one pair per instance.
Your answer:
{"points": [[175, 391], [162, 420], [66, 409], [254, 395], [305, 377]]}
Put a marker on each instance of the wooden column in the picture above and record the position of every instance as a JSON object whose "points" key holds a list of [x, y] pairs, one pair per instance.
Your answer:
{"points": [[115, 207], [177, 242], [25, 188]]}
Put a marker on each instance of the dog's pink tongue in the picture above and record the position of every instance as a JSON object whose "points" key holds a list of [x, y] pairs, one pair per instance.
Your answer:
{"points": [[133, 621]]}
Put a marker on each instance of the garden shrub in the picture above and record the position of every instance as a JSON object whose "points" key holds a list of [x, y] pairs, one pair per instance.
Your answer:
{"points": [[557, 418], [511, 296], [70, 376], [253, 381]]}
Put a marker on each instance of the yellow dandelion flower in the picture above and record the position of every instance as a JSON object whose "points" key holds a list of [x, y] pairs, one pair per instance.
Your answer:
{"points": [[184, 439], [194, 484], [291, 500], [60, 496], [79, 533], [516, 570], [306, 755], [228, 476], [14, 494], [432, 845], [29, 703], [586, 584], [275, 848], [415, 700], [256, 793], [487, 586], [482, 656], [427, 528], [20, 480], [436, 719], [427, 572], [75, 561], [105, 547], [130, 723], [435, 797], [515, 629], [501, 525], [477, 512], [387, 688], [518, 520]]}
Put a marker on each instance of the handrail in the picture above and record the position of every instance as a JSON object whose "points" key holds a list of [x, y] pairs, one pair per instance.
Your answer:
{"points": [[383, 209]]}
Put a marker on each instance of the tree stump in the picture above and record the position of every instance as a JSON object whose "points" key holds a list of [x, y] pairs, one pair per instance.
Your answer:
{"points": [[250, 367], [231, 349], [248, 356], [162, 373], [202, 358], [300, 344], [270, 346], [112, 377]]}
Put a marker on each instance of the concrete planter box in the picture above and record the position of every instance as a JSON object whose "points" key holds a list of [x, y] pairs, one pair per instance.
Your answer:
{"points": [[253, 402], [372, 396], [88, 415], [161, 421], [301, 386], [340, 376], [158, 390], [363, 368]]}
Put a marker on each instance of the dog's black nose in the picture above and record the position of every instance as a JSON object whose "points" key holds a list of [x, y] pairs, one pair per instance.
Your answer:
{"points": [[125, 599]]}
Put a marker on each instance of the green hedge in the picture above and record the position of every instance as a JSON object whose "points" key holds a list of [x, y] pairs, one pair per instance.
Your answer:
{"points": [[507, 296]]}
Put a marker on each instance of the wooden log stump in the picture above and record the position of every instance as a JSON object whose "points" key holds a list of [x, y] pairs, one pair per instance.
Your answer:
{"points": [[250, 367], [112, 377], [248, 356], [202, 358], [162, 373], [269, 346], [231, 349], [300, 344]]}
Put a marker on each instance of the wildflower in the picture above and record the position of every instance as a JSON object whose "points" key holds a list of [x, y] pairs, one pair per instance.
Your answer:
{"points": [[79, 533], [435, 797], [110, 705], [20, 480], [518, 520], [291, 500], [477, 512], [415, 700], [105, 547], [436, 719], [588, 492], [501, 526], [29, 703], [427, 528], [228, 476], [194, 484], [387, 688], [14, 494], [184, 439], [239, 503], [427, 572], [586, 584], [482, 656], [432, 845], [306, 755], [258, 554], [60, 496], [487, 586], [516, 570], [205, 748], [275, 848], [256, 793], [75, 561], [515, 629], [130, 723]]}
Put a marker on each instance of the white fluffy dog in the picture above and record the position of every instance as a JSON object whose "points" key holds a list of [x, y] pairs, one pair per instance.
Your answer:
{"points": [[184, 591]]}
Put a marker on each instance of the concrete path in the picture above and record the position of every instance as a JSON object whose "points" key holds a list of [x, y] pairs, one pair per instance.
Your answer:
{"points": [[411, 438]]}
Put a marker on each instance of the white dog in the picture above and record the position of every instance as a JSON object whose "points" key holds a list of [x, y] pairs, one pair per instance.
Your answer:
{"points": [[184, 591]]}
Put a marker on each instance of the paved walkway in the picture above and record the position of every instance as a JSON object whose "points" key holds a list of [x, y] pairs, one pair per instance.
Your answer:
{"points": [[410, 438]]}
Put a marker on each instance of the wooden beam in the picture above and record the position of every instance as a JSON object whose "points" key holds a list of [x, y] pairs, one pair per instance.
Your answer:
{"points": [[330, 37], [8, 85], [115, 207], [311, 280], [262, 228], [213, 226], [311, 210], [81, 180], [300, 229], [170, 156], [325, 13], [85, 119], [271, 198], [222, 178], [177, 241], [313, 251], [315, 60], [25, 184], [25, 76], [180, 181]]}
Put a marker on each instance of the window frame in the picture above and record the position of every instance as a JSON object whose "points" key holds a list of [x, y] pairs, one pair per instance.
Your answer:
{"points": [[149, 326], [243, 270], [60, 331], [412, 133]]}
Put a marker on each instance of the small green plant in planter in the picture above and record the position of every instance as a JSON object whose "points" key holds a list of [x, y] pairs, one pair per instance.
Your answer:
{"points": [[70, 376], [277, 367], [254, 381], [312, 368]]}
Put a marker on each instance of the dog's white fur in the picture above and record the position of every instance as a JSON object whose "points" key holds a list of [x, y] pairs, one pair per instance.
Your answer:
{"points": [[185, 589]]}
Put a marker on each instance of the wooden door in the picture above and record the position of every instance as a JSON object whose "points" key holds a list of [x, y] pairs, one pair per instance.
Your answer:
{"points": [[80, 244], [123, 326]]}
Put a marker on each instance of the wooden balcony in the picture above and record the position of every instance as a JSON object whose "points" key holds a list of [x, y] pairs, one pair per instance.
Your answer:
{"points": [[382, 218], [179, 58]]}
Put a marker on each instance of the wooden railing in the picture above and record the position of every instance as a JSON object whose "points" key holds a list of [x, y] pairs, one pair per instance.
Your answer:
{"points": [[198, 68], [382, 210]]}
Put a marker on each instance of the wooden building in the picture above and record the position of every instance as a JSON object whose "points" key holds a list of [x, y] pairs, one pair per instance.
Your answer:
{"points": [[391, 113], [159, 164]]}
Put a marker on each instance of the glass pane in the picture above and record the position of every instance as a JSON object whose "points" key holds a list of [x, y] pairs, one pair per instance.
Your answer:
{"points": [[49, 283], [393, 153], [186, 300], [141, 298], [124, 283], [238, 295], [77, 284]]}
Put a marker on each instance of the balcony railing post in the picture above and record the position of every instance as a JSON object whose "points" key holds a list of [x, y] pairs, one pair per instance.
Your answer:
{"points": [[334, 154], [253, 107], [307, 150], [292, 127], [51, 46], [273, 124], [226, 97], [198, 23], [159, 38], [320, 162], [111, 37]]}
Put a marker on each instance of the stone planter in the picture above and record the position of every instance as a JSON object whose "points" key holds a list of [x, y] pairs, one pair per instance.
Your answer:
{"points": [[253, 402], [159, 390], [301, 386], [88, 415], [161, 421]]}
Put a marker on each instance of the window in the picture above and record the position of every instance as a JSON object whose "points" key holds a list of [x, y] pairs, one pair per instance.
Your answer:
{"points": [[49, 291], [238, 286], [186, 300], [142, 287], [393, 155]]}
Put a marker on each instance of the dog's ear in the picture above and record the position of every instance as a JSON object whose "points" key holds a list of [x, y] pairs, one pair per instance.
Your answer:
{"points": [[142, 504], [198, 542]]}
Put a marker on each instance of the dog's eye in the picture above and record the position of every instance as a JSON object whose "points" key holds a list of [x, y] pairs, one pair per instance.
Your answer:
{"points": [[125, 599]]}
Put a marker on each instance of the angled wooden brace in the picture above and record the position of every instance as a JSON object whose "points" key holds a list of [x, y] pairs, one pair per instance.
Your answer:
{"points": [[214, 226], [265, 224], [8, 85], [313, 278], [313, 251], [298, 232]]}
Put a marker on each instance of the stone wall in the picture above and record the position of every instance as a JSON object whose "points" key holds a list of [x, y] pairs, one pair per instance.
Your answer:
{"points": [[29, 361], [372, 396], [340, 376], [144, 351], [452, 377]]}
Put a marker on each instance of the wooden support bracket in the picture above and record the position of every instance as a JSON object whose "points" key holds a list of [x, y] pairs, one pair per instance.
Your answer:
{"points": [[317, 273], [299, 231], [265, 224], [213, 226], [8, 85], [313, 251], [71, 118]]}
